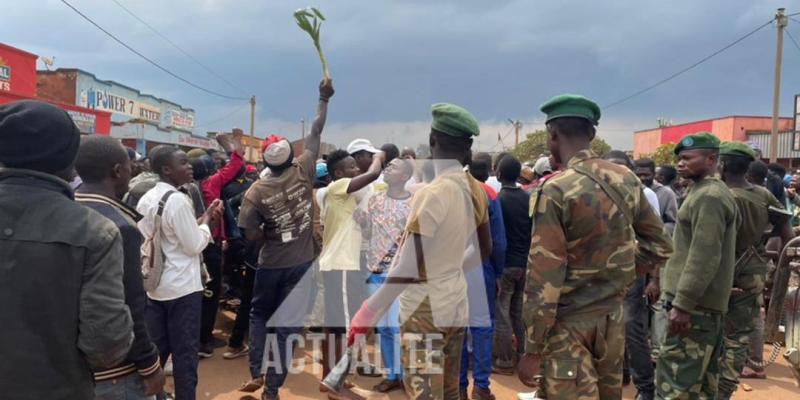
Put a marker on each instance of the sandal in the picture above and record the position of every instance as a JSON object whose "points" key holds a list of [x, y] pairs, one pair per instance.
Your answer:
{"points": [[749, 373], [347, 385], [387, 386], [252, 385]]}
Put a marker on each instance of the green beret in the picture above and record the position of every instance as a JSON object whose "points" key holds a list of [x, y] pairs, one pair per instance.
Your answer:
{"points": [[700, 140], [571, 105], [454, 120], [737, 149]]}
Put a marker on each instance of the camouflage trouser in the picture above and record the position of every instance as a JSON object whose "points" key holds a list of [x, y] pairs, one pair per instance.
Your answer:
{"points": [[688, 364], [743, 309], [583, 359], [431, 357]]}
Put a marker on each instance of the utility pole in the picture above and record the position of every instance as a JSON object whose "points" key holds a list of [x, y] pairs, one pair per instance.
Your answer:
{"points": [[517, 127], [253, 146], [780, 17], [303, 130]]}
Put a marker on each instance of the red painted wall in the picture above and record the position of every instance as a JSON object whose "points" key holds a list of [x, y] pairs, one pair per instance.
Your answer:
{"points": [[673, 134], [22, 86], [22, 68]]}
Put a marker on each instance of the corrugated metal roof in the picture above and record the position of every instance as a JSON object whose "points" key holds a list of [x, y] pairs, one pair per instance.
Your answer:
{"points": [[762, 141]]}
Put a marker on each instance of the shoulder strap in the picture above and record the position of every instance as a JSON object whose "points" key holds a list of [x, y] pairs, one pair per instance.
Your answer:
{"points": [[612, 193], [163, 202]]}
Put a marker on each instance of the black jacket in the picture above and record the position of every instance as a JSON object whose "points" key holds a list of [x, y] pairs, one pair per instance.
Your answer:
{"points": [[62, 306], [143, 356]]}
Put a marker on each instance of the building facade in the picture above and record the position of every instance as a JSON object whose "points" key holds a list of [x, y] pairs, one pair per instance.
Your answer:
{"points": [[732, 128], [18, 82], [141, 121]]}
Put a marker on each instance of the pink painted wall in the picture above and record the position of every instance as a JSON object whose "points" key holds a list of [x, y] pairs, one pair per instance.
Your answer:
{"points": [[743, 125], [673, 134], [646, 142], [727, 129]]}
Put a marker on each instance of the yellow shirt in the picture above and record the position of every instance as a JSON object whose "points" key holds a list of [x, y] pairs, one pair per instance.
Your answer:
{"points": [[341, 238]]}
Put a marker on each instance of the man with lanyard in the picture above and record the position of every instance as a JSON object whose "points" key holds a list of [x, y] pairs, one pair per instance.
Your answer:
{"points": [[277, 212], [759, 209], [579, 268], [696, 281]]}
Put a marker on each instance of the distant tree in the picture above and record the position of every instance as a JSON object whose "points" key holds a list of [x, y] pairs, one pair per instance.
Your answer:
{"points": [[535, 146], [664, 154]]}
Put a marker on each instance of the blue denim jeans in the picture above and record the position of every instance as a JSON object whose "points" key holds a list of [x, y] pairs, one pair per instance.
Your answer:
{"points": [[128, 387], [280, 303], [481, 291], [389, 332]]}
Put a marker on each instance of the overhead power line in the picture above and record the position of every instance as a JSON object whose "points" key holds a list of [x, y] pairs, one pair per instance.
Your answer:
{"points": [[687, 69], [796, 45], [155, 64], [184, 52]]}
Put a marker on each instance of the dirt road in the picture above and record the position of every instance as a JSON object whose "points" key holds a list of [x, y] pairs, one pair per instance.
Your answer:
{"points": [[219, 379]]}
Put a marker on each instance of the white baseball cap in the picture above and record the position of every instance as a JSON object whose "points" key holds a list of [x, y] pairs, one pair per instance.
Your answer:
{"points": [[361, 145], [542, 165]]}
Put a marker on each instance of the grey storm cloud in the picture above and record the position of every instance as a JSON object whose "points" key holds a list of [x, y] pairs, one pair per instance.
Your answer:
{"points": [[391, 59]]}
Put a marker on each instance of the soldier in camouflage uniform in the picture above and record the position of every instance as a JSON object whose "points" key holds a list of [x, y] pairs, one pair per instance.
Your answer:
{"points": [[584, 255], [696, 282], [754, 203], [447, 231]]}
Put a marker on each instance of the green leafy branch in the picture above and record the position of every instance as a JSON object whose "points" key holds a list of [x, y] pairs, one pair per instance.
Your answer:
{"points": [[310, 20]]}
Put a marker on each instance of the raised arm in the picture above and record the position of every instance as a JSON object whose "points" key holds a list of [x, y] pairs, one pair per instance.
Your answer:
{"points": [[370, 176], [313, 140]]}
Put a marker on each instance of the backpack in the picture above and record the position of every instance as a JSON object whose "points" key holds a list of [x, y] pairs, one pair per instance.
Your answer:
{"points": [[152, 256]]}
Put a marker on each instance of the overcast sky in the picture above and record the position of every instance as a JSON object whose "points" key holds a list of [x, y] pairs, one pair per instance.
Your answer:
{"points": [[391, 59]]}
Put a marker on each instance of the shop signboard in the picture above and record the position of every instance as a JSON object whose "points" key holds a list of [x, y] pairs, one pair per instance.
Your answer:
{"points": [[185, 139], [180, 120], [5, 76], [99, 99], [85, 122], [796, 124]]}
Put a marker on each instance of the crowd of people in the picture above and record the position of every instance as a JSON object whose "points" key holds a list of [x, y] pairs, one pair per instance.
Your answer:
{"points": [[576, 271]]}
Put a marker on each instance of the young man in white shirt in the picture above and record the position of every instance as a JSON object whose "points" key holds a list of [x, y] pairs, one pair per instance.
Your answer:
{"points": [[173, 307]]}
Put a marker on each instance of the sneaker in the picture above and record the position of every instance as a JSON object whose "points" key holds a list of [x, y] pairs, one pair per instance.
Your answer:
{"points": [[206, 351], [236, 352]]}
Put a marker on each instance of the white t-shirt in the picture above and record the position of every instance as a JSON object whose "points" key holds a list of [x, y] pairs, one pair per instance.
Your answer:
{"points": [[494, 184], [652, 198]]}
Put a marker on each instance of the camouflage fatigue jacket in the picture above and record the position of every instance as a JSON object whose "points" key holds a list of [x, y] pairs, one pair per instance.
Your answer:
{"points": [[584, 248]]}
